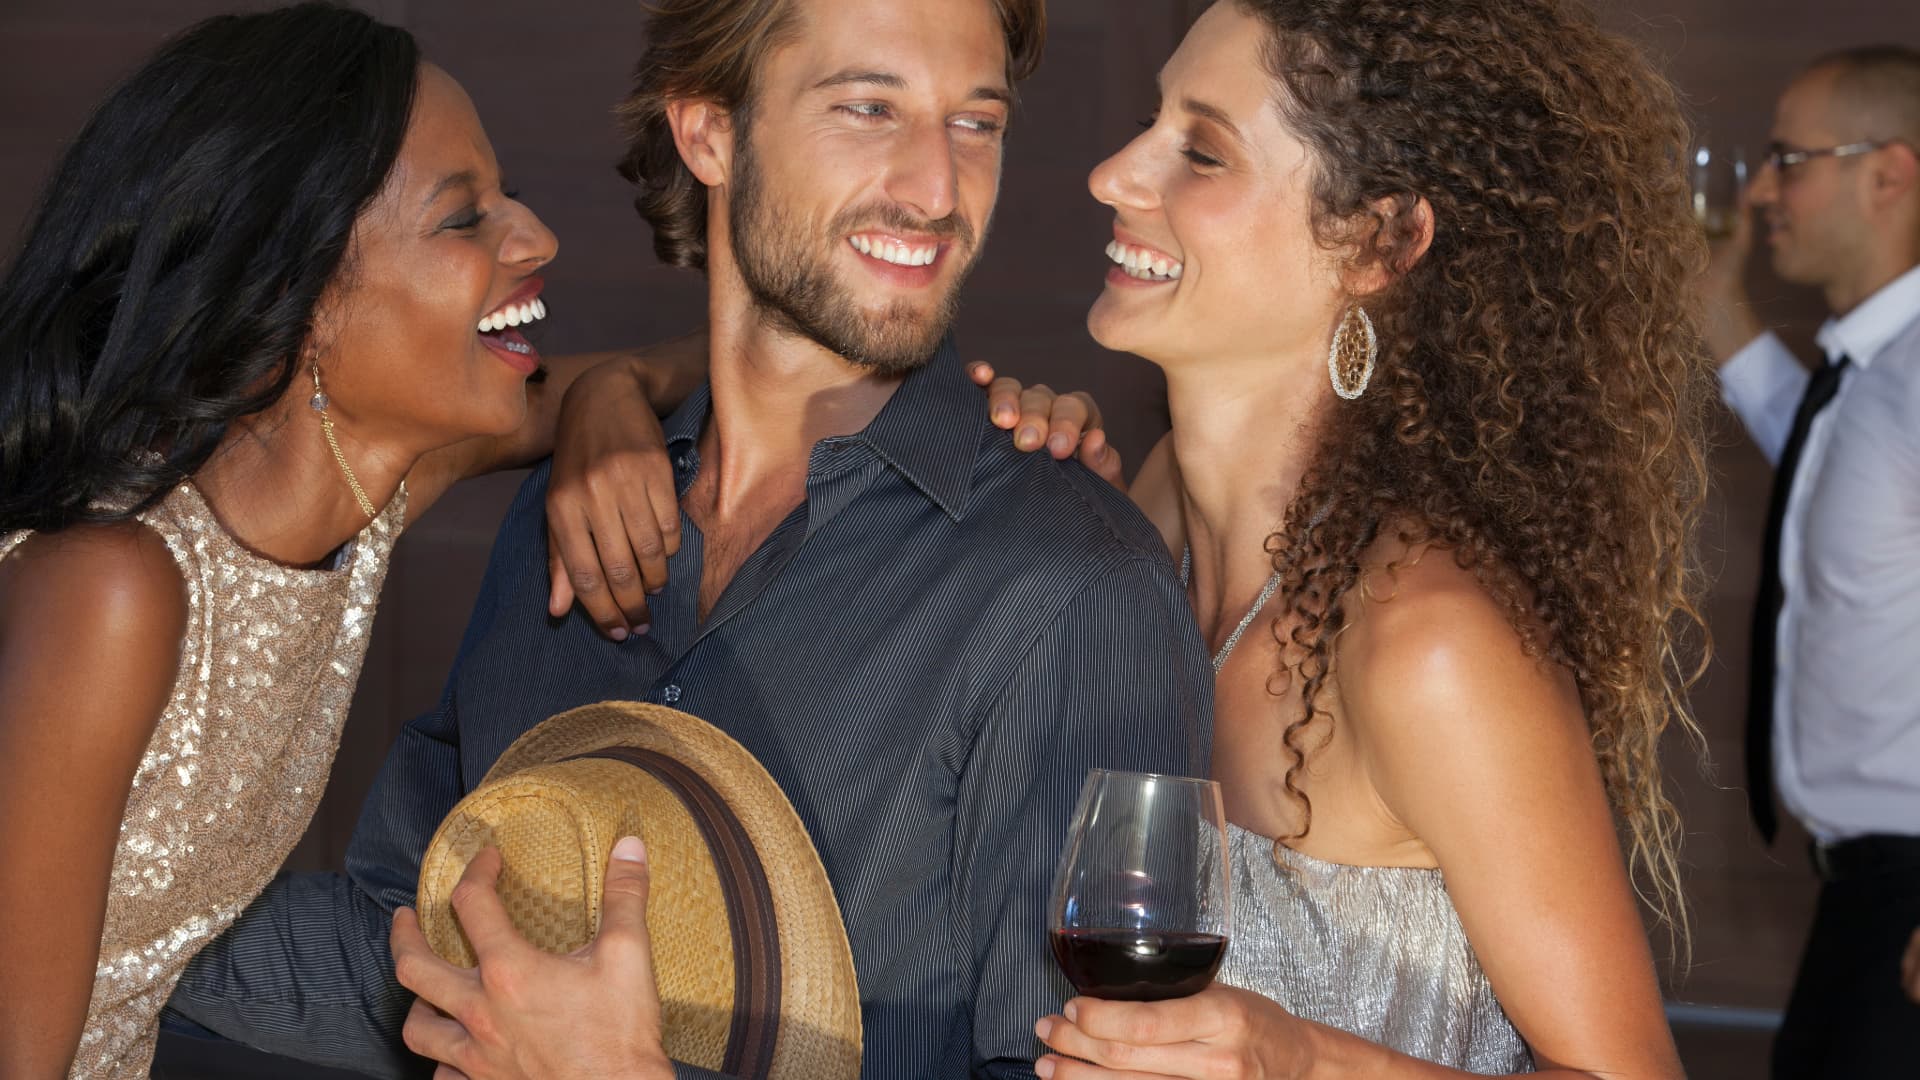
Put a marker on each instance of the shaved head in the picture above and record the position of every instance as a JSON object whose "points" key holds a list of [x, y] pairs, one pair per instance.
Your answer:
{"points": [[1876, 92]]}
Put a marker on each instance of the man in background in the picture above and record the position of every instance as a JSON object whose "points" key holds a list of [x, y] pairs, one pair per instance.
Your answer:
{"points": [[1834, 702]]}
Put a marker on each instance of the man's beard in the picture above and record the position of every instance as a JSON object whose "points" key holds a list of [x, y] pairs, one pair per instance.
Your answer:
{"points": [[793, 284]]}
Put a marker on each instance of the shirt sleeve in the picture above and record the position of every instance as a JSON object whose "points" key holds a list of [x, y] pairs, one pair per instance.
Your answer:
{"points": [[305, 972], [1119, 680], [1763, 384]]}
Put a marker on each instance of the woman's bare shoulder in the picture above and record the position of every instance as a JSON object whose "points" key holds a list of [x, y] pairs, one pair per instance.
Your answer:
{"points": [[94, 599], [1430, 644]]}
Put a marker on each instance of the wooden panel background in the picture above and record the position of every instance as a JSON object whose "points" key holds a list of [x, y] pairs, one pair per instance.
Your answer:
{"points": [[544, 80]]}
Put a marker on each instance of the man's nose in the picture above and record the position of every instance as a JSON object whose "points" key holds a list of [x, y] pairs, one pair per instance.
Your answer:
{"points": [[923, 176]]}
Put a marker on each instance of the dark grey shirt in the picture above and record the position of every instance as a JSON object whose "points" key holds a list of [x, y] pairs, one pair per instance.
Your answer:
{"points": [[928, 654]]}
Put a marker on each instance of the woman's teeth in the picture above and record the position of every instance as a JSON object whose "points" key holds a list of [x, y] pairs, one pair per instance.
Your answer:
{"points": [[898, 254], [1139, 262], [514, 315]]}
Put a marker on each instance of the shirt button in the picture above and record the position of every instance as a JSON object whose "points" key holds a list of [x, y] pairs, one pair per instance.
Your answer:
{"points": [[671, 694]]}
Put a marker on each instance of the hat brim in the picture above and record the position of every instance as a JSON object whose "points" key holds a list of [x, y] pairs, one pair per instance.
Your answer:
{"points": [[820, 1028]]}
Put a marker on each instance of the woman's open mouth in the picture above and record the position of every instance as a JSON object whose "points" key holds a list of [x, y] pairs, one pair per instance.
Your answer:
{"points": [[499, 330]]}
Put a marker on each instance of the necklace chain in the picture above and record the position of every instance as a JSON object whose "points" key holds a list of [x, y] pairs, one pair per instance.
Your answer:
{"points": [[319, 404], [1266, 594]]}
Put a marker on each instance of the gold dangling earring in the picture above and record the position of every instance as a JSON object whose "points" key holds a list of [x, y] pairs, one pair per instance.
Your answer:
{"points": [[319, 402], [1350, 359]]}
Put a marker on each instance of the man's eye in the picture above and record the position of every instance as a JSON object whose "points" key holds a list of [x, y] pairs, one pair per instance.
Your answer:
{"points": [[465, 219], [1201, 159], [868, 110], [980, 124]]}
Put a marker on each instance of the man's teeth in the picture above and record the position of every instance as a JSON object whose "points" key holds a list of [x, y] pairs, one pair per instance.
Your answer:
{"points": [[514, 315], [1142, 263], [898, 254]]}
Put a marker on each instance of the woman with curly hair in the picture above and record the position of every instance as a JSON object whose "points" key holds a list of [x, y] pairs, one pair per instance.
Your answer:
{"points": [[1417, 272]]}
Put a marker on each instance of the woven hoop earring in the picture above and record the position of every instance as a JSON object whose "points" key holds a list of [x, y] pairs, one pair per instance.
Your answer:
{"points": [[1350, 358]]}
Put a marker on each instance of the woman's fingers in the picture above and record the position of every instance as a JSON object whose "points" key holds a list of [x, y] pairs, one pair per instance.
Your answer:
{"points": [[570, 537]]}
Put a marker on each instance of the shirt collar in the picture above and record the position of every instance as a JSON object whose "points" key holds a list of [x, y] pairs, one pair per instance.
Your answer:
{"points": [[1861, 334], [929, 431]]}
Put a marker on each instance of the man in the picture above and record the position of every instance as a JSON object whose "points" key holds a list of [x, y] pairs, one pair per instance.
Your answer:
{"points": [[1835, 703], [927, 636]]}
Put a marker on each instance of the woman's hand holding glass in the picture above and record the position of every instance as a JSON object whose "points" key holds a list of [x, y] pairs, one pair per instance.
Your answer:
{"points": [[1221, 1033]]}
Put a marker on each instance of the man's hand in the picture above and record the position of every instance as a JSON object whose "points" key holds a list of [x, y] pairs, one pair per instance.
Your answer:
{"points": [[524, 1013], [1728, 320]]}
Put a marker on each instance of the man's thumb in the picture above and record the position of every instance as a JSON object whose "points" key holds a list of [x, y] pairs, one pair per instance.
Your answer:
{"points": [[623, 911]]}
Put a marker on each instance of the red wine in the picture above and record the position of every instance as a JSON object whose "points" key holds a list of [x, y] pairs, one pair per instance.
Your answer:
{"points": [[1138, 965]]}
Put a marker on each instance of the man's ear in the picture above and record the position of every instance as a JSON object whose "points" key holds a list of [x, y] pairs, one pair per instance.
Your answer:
{"points": [[703, 133], [1398, 230], [1896, 173]]}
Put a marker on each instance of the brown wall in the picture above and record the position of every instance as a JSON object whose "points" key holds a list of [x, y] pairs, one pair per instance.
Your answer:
{"points": [[544, 79]]}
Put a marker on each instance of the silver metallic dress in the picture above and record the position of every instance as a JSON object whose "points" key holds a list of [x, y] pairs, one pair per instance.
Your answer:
{"points": [[1376, 951], [235, 766]]}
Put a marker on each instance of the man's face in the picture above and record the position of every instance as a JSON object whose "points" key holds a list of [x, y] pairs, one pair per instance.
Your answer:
{"points": [[1817, 211], [864, 177]]}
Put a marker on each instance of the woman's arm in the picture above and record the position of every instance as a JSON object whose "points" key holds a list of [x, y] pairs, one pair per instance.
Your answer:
{"points": [[91, 621], [631, 386], [1483, 753]]}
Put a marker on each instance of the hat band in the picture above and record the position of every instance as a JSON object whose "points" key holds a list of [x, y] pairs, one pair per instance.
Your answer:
{"points": [[750, 916]]}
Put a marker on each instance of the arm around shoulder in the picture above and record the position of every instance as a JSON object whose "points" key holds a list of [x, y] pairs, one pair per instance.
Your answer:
{"points": [[91, 624], [1482, 752]]}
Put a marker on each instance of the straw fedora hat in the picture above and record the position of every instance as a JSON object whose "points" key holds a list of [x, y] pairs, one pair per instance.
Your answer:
{"points": [[756, 977]]}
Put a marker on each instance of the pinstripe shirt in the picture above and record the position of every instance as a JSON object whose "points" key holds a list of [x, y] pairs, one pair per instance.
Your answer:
{"points": [[928, 654]]}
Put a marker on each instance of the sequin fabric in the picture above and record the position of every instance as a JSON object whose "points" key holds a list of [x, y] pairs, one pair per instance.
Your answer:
{"points": [[236, 765], [1377, 951]]}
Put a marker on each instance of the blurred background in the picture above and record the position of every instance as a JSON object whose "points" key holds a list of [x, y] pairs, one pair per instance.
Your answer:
{"points": [[545, 78]]}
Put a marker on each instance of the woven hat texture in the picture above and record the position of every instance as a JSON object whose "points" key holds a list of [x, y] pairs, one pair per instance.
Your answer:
{"points": [[707, 811]]}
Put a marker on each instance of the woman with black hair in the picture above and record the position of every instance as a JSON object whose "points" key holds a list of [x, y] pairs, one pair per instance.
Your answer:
{"points": [[264, 314]]}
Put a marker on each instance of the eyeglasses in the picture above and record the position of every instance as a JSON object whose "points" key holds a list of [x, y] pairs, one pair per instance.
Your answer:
{"points": [[1782, 159]]}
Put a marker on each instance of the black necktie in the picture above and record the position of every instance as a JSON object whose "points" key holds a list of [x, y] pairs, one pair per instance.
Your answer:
{"points": [[1766, 609]]}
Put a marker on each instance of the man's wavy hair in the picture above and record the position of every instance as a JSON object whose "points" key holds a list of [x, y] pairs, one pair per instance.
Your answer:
{"points": [[711, 49], [1539, 405]]}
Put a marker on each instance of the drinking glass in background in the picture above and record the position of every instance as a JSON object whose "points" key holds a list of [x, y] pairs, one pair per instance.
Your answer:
{"points": [[1719, 176], [1142, 907]]}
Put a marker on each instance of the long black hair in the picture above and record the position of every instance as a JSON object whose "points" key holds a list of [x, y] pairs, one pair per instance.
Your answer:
{"points": [[168, 280]]}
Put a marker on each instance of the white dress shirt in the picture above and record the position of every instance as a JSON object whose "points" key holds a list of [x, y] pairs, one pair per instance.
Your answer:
{"points": [[1846, 735]]}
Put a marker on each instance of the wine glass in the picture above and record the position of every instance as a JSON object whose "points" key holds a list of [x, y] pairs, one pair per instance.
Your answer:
{"points": [[1719, 176], [1142, 910]]}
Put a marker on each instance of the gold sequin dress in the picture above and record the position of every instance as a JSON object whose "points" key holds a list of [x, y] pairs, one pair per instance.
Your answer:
{"points": [[236, 765]]}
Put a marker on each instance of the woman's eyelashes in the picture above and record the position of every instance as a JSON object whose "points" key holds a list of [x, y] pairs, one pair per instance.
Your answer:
{"points": [[470, 217], [1192, 153]]}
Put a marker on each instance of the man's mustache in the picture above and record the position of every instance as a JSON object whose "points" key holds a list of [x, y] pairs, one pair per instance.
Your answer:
{"points": [[893, 218]]}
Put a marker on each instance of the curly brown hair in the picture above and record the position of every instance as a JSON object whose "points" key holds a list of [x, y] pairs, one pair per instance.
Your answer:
{"points": [[711, 49], [1541, 394]]}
